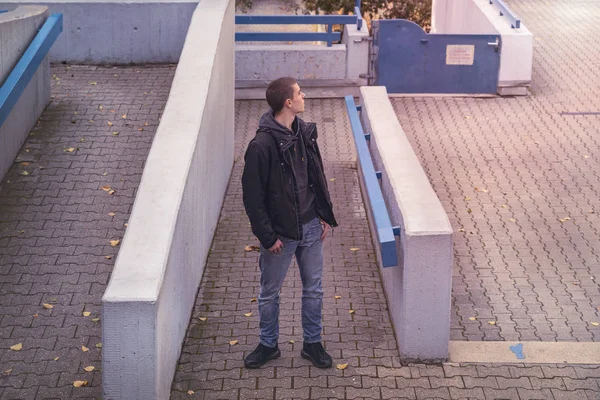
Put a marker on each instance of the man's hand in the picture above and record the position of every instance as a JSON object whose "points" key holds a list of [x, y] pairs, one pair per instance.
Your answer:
{"points": [[276, 248], [325, 230]]}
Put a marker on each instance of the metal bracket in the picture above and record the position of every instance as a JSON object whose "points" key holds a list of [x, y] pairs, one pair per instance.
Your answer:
{"points": [[364, 39], [396, 230], [365, 76], [378, 174], [495, 44]]}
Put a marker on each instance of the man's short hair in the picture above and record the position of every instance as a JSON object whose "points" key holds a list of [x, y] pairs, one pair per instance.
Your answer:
{"points": [[279, 91]]}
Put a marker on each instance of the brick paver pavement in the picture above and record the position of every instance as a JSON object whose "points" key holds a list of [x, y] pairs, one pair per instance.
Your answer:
{"points": [[56, 222], [528, 257]]}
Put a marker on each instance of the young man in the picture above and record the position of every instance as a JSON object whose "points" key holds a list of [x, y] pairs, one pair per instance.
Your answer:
{"points": [[288, 204]]}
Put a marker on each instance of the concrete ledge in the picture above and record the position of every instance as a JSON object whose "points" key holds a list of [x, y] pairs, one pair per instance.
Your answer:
{"points": [[314, 88], [17, 30], [418, 289], [149, 299], [302, 61], [118, 31]]}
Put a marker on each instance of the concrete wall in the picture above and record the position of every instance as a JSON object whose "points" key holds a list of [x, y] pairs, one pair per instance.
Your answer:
{"points": [[149, 299], [481, 17], [117, 31], [17, 29], [418, 289]]}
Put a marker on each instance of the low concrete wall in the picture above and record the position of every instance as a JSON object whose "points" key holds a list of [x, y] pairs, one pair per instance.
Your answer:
{"points": [[17, 29], [481, 17], [149, 299], [418, 290], [117, 31]]}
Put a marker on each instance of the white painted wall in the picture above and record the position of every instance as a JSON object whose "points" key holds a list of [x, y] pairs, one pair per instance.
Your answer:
{"points": [[149, 299], [481, 17], [17, 29], [418, 290], [118, 31]]}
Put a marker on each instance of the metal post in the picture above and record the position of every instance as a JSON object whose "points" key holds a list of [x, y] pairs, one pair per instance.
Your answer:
{"points": [[358, 13], [329, 32]]}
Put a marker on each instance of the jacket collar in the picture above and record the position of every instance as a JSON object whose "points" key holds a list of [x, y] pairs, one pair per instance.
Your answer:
{"points": [[284, 137]]}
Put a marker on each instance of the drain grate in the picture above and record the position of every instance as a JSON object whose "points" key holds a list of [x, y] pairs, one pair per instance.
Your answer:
{"points": [[580, 113]]}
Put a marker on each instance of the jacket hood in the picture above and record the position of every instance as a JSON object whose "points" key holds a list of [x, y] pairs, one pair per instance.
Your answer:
{"points": [[280, 132]]}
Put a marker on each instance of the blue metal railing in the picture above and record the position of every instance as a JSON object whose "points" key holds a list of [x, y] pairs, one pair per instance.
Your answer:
{"points": [[3, 11], [328, 20], [385, 231], [22, 73], [515, 21]]}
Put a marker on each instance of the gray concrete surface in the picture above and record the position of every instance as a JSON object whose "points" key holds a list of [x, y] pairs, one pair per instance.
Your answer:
{"points": [[118, 32], [17, 29], [148, 301]]}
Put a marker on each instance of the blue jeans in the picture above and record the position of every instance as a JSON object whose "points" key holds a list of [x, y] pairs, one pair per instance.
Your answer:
{"points": [[273, 268]]}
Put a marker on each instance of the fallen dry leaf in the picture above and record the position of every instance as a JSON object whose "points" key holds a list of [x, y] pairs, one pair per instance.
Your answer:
{"points": [[467, 199], [111, 192], [332, 179], [114, 243], [354, 249], [461, 230], [115, 133], [17, 347], [70, 149], [87, 313], [342, 366], [512, 220], [253, 300], [98, 345], [233, 342], [78, 384], [93, 83], [90, 368], [95, 319], [564, 219], [492, 322], [48, 306], [595, 323], [25, 173], [338, 297], [124, 116], [202, 319], [292, 341], [350, 311], [504, 206], [110, 123], [586, 156], [84, 349], [8, 371], [252, 248], [111, 214], [56, 358], [105, 188], [108, 257], [249, 314], [25, 163], [190, 392], [472, 319]]}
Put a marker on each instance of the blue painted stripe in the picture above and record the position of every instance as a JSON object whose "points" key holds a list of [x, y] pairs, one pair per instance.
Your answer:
{"points": [[287, 36], [383, 225], [20, 76], [505, 10], [295, 19], [3, 11]]}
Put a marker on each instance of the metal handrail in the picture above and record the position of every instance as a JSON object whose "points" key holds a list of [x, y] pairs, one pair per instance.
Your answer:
{"points": [[515, 21], [19, 78], [385, 230]]}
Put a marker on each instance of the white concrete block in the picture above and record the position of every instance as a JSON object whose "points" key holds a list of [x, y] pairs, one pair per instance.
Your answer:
{"points": [[149, 299], [301, 61], [357, 54], [419, 289], [118, 31], [17, 29]]}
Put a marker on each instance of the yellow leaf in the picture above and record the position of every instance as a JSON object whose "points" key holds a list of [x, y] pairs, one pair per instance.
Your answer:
{"points": [[202, 319], [25, 173], [354, 249], [84, 349], [95, 319], [124, 116], [25, 163], [110, 123], [492, 322], [512, 220], [253, 300], [87, 313], [586, 156], [565, 219], [145, 124], [472, 318], [100, 107], [292, 341], [190, 392], [108, 257], [93, 83], [350, 311], [98, 345], [111, 192], [140, 129], [461, 230], [105, 188], [115, 133], [114, 243], [8, 371], [17, 347], [252, 248], [338, 297], [504, 206], [248, 314], [56, 358], [71, 149], [80, 383], [111, 214], [90, 368], [233, 342], [48, 306], [467, 198], [104, 174], [596, 323], [342, 366], [332, 179]]}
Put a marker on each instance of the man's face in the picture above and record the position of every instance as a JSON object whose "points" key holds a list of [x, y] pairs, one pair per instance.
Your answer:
{"points": [[297, 101]]}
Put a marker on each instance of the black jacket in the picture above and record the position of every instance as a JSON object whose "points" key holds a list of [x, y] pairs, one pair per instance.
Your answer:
{"points": [[269, 186]]}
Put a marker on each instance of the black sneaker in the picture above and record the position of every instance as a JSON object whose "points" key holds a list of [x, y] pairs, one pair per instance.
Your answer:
{"points": [[316, 354], [261, 355]]}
